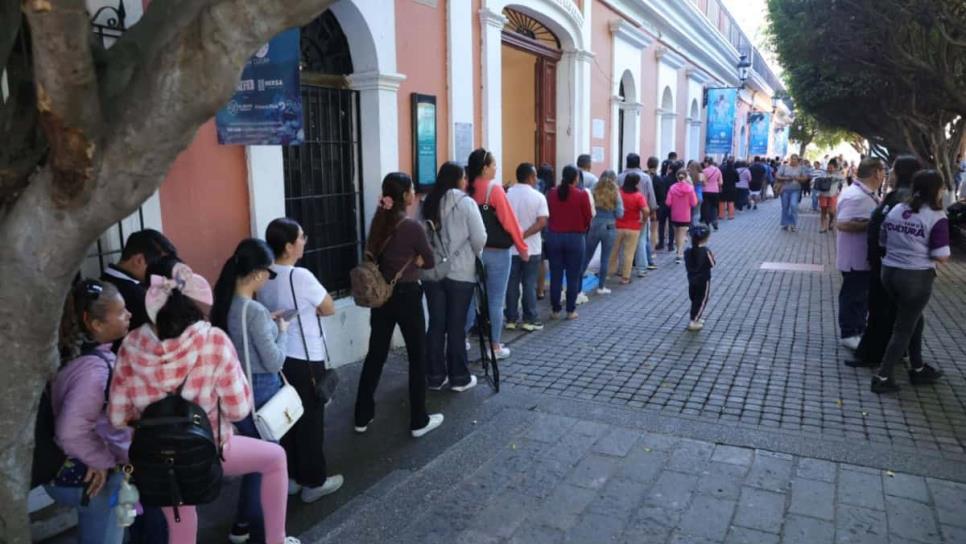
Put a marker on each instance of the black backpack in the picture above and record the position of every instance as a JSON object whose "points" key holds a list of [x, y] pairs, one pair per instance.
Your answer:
{"points": [[175, 456], [48, 457]]}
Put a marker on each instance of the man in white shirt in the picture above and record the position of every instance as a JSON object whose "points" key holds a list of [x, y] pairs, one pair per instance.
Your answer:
{"points": [[530, 207], [589, 179]]}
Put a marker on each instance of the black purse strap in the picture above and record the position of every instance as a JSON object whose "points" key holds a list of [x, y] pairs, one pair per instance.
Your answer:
{"points": [[298, 316]]}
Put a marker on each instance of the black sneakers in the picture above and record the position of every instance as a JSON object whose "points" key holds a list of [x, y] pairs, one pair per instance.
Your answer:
{"points": [[924, 375], [880, 385]]}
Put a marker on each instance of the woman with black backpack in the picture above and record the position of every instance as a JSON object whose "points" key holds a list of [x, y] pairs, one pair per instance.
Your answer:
{"points": [[399, 246], [178, 358], [94, 317]]}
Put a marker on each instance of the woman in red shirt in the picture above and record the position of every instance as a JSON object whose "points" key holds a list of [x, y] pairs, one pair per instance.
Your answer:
{"points": [[629, 226], [570, 217]]}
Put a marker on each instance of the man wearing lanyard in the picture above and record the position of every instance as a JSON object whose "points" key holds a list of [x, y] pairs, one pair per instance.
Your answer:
{"points": [[855, 207]]}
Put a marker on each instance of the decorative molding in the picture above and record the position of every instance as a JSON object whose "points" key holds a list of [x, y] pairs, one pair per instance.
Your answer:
{"points": [[582, 55], [698, 76], [488, 17], [374, 81], [633, 107], [570, 7], [629, 33], [670, 58]]}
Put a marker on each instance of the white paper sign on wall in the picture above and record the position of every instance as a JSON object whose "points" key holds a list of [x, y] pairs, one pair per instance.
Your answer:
{"points": [[598, 129], [597, 153]]}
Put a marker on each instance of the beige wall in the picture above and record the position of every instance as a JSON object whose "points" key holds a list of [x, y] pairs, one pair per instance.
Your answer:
{"points": [[519, 110]]}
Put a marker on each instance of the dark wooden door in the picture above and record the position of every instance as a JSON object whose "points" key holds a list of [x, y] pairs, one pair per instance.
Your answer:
{"points": [[546, 81]]}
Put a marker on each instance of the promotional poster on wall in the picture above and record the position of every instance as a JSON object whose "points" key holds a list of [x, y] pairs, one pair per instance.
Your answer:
{"points": [[759, 127], [266, 108], [722, 104], [424, 140]]}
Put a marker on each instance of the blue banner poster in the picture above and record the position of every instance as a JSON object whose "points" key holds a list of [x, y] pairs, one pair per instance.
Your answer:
{"points": [[426, 143], [266, 108], [760, 130], [722, 104], [781, 141]]}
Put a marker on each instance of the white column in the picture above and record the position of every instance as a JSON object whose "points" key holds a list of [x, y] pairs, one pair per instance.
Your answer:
{"points": [[459, 38], [379, 113], [581, 124], [492, 23], [266, 186], [615, 133]]}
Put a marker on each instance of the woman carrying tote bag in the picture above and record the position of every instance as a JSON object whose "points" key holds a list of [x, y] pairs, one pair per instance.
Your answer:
{"points": [[259, 338]]}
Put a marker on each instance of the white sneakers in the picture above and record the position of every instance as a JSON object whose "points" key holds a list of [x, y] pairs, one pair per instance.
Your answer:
{"points": [[360, 430], [292, 540], [603, 291], [582, 298], [695, 326], [852, 342], [312, 494], [502, 352], [435, 420], [467, 387]]}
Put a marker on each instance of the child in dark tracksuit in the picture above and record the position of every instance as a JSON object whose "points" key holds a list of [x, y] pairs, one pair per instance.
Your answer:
{"points": [[698, 261]]}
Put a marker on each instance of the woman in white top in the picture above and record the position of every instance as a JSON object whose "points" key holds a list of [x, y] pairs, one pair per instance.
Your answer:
{"points": [[306, 356]]}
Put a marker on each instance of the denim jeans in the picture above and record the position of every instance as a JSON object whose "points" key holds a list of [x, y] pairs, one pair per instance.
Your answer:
{"points": [[910, 290], [814, 201], [249, 511], [603, 232], [790, 198], [447, 301], [664, 225], [644, 256], [743, 199], [525, 273], [566, 251], [853, 303], [496, 262], [96, 522]]}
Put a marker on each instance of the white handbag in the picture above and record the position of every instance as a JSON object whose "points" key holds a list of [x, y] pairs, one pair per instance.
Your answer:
{"points": [[280, 413]]}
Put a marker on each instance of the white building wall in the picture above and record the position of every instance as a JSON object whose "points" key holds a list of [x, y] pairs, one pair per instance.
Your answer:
{"points": [[628, 46]]}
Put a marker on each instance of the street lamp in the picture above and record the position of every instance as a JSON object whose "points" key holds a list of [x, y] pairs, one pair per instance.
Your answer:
{"points": [[744, 68]]}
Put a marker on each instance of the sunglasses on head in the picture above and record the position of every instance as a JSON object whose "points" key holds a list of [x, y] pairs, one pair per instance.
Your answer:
{"points": [[271, 273]]}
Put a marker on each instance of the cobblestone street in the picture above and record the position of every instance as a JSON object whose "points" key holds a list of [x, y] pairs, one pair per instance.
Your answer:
{"points": [[623, 427]]}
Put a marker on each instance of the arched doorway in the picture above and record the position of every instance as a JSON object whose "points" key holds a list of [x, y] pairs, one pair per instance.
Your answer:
{"points": [[323, 176], [693, 123], [628, 116], [667, 122], [530, 52]]}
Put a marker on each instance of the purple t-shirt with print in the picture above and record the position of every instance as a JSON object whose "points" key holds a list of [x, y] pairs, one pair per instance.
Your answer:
{"points": [[855, 202], [913, 239]]}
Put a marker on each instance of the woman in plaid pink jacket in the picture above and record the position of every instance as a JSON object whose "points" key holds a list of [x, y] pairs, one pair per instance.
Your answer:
{"points": [[178, 346]]}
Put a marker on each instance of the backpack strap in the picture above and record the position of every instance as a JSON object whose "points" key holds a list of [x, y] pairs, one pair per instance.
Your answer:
{"points": [[489, 191], [110, 370]]}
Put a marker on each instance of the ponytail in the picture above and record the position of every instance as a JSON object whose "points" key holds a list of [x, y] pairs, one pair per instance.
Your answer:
{"points": [[567, 179], [391, 211], [250, 256], [478, 160]]}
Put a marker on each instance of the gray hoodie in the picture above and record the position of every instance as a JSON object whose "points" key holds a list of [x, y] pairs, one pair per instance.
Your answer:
{"points": [[646, 186], [463, 234]]}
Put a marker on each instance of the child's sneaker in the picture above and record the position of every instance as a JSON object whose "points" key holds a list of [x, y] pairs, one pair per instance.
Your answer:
{"points": [[695, 326], [510, 325]]}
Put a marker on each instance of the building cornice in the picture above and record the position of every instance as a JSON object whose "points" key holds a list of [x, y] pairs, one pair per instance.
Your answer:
{"points": [[370, 81], [630, 34], [670, 57], [488, 17], [698, 76]]}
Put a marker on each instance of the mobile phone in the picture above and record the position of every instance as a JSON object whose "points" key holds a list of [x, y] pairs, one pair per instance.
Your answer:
{"points": [[287, 315]]}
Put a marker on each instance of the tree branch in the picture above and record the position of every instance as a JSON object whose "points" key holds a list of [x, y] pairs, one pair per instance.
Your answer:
{"points": [[67, 96]]}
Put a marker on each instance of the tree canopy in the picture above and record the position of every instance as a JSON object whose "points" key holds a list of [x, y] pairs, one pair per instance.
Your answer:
{"points": [[892, 71]]}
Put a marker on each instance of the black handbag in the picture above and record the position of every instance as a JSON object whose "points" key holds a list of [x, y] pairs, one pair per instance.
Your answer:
{"points": [[326, 387], [496, 236]]}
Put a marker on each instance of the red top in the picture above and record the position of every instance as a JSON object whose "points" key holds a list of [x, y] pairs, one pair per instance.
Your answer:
{"points": [[502, 208], [633, 204], [571, 215]]}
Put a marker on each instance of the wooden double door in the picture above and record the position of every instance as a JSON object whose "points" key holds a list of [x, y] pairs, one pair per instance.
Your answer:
{"points": [[545, 79]]}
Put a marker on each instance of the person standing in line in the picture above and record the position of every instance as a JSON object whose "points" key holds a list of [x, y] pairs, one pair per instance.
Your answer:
{"points": [[696, 173], [855, 206], [603, 229], [306, 357], [915, 236], [758, 171], [729, 190], [681, 199], [401, 248], [882, 311], [828, 199], [643, 256], [712, 193], [236, 312], [661, 185], [652, 172], [628, 228], [588, 179], [743, 186], [570, 216], [817, 170], [791, 176], [672, 157], [531, 209], [502, 232], [94, 317], [698, 262], [545, 182]]}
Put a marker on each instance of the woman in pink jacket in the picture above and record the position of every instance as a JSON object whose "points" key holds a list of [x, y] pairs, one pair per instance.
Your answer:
{"points": [[681, 198], [94, 316]]}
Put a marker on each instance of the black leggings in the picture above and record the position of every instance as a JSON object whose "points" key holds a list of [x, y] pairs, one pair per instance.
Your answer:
{"points": [[709, 208], [303, 443], [404, 308], [698, 292]]}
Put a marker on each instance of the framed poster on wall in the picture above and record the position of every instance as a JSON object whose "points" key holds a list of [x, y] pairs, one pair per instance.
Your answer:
{"points": [[424, 140]]}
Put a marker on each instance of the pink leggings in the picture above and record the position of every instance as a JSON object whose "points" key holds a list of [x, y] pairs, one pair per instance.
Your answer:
{"points": [[244, 455]]}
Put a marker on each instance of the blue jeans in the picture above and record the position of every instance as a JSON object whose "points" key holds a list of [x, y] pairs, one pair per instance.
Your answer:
{"points": [[497, 265], [854, 302], [249, 510], [525, 273], [447, 301], [644, 256], [790, 199], [814, 201], [603, 232], [743, 199], [96, 522], [566, 250]]}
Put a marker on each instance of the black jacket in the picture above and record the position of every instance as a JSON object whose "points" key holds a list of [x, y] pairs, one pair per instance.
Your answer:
{"points": [[698, 261]]}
